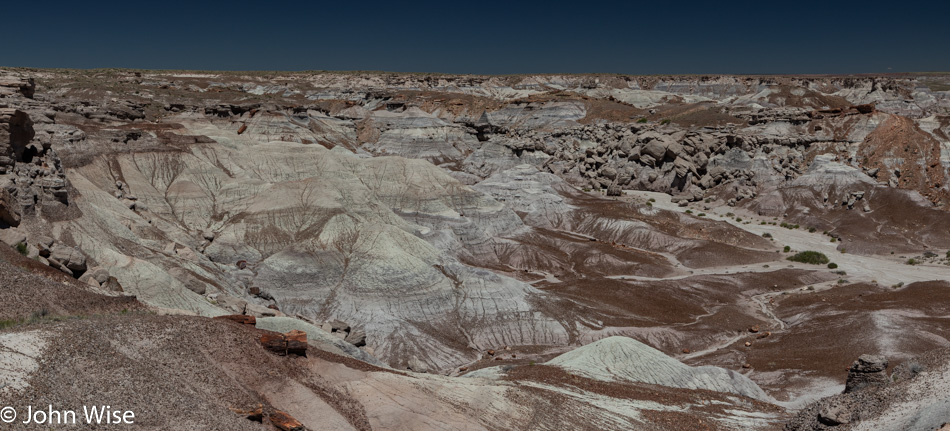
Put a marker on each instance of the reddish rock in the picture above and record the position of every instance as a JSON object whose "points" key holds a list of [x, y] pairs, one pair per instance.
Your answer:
{"points": [[239, 318], [864, 109], [763, 335], [754, 329], [242, 129], [275, 342], [285, 422], [296, 342], [255, 414], [293, 342]]}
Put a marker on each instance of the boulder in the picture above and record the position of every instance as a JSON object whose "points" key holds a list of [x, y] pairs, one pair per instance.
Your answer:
{"points": [[656, 149], [112, 285], [101, 274], [10, 85], [834, 413], [682, 167], [9, 209], [69, 257], [614, 189], [12, 236], [53, 263], [337, 325], [87, 278], [357, 337]]}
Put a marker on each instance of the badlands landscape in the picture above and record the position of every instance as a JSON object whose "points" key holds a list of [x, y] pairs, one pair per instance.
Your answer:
{"points": [[238, 250]]}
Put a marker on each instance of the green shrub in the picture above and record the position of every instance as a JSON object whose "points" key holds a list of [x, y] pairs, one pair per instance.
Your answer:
{"points": [[912, 261], [787, 249], [642, 120], [810, 257], [812, 230], [832, 265], [833, 239], [766, 235], [21, 248], [689, 211], [665, 121]]}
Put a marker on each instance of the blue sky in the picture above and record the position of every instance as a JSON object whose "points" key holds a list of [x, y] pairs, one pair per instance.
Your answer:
{"points": [[486, 37]]}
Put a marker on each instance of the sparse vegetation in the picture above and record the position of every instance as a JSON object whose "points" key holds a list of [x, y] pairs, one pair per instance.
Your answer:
{"points": [[811, 230], [21, 248], [787, 249], [912, 261], [832, 265], [665, 121], [767, 235], [641, 120], [689, 211], [810, 257]]}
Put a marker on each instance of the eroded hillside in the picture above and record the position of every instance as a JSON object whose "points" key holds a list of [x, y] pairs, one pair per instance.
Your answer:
{"points": [[489, 227]]}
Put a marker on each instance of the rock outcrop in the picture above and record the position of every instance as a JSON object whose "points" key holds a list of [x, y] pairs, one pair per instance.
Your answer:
{"points": [[867, 372]]}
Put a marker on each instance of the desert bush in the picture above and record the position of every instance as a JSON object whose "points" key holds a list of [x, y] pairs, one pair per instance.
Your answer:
{"points": [[810, 257], [766, 235], [832, 265], [912, 261], [21, 248], [787, 249]]}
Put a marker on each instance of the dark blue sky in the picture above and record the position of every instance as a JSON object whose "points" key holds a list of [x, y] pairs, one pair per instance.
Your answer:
{"points": [[491, 37]]}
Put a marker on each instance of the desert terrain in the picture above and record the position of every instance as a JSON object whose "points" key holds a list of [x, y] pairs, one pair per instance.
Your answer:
{"points": [[476, 252]]}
